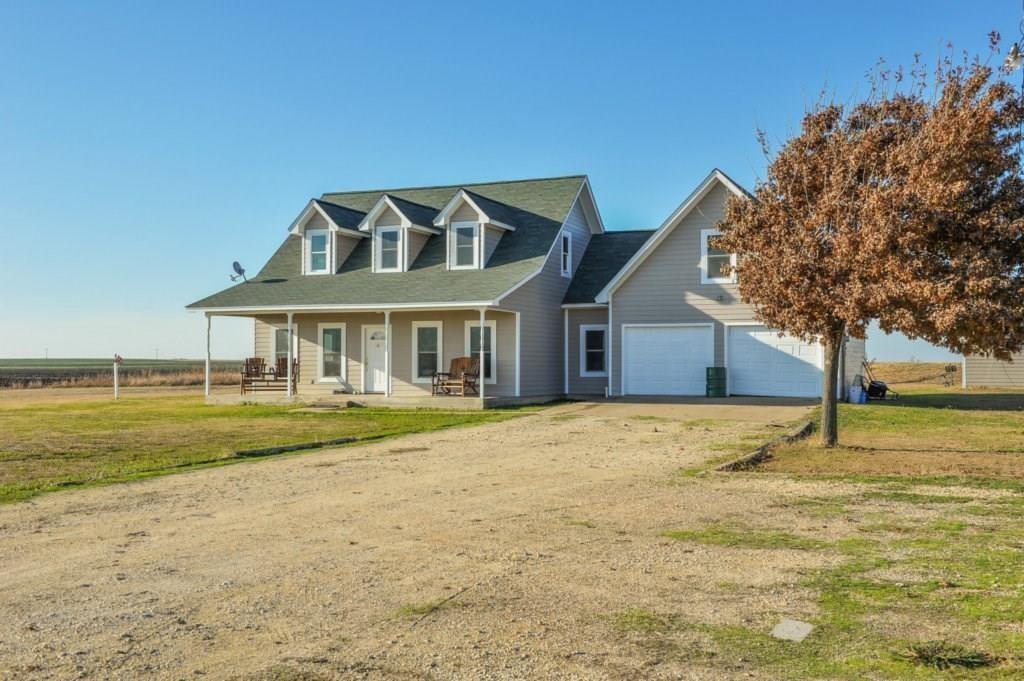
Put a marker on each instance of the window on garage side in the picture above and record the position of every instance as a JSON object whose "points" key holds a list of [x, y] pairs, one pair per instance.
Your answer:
{"points": [[593, 350], [716, 265]]}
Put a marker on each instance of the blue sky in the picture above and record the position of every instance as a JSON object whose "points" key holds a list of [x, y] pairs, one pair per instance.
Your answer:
{"points": [[144, 146]]}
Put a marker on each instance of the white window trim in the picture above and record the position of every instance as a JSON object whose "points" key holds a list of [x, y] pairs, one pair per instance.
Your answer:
{"points": [[583, 350], [378, 254], [705, 234], [476, 245], [565, 263], [416, 350], [308, 250], [493, 324], [274, 328], [320, 328]]}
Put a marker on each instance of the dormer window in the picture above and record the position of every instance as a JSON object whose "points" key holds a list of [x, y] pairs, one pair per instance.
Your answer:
{"points": [[389, 249], [464, 245], [475, 225], [327, 236], [317, 242]]}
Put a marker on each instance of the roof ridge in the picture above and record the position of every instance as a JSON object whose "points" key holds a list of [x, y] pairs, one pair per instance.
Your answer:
{"points": [[455, 186]]}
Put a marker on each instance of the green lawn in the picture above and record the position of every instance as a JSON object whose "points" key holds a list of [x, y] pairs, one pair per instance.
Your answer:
{"points": [[49, 446], [922, 521], [928, 432]]}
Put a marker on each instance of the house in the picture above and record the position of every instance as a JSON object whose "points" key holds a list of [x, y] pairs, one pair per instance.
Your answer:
{"points": [[374, 291], [989, 372]]}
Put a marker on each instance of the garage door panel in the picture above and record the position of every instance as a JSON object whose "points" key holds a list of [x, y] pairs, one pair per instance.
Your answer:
{"points": [[666, 360], [762, 363]]}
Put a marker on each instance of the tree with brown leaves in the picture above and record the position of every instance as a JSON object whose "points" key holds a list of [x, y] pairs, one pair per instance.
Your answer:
{"points": [[906, 208]]}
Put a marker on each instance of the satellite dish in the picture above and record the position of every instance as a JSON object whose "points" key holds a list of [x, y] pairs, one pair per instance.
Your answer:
{"points": [[239, 271]]}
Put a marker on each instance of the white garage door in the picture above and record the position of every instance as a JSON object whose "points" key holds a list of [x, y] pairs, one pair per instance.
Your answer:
{"points": [[666, 360], [762, 363]]}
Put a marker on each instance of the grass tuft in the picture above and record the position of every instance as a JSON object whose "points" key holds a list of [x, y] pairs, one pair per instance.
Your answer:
{"points": [[638, 619], [943, 655]]}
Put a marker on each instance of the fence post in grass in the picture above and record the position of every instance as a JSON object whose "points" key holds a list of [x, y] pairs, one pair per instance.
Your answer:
{"points": [[117, 387]]}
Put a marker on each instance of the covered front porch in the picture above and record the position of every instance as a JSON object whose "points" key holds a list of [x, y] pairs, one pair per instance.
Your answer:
{"points": [[379, 357]]}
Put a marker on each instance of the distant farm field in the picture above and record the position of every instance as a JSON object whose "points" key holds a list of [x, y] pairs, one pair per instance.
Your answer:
{"points": [[93, 372]]}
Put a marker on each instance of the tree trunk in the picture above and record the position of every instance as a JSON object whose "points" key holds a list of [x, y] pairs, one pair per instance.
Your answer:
{"points": [[829, 400]]}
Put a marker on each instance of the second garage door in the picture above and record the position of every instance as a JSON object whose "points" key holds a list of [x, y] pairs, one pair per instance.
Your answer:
{"points": [[761, 363], [666, 359]]}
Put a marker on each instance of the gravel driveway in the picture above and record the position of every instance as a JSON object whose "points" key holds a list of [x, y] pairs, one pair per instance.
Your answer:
{"points": [[499, 551]]}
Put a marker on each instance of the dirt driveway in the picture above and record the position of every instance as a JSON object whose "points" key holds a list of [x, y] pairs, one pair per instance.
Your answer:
{"points": [[501, 551]]}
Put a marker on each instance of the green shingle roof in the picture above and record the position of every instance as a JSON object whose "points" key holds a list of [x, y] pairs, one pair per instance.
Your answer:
{"points": [[537, 208], [606, 254]]}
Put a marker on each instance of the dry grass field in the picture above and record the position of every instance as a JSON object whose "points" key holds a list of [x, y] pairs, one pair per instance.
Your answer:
{"points": [[86, 373], [922, 373]]}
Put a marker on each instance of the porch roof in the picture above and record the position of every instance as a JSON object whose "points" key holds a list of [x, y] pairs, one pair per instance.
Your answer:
{"points": [[538, 207]]}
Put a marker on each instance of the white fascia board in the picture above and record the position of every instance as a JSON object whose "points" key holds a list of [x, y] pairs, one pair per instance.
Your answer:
{"points": [[386, 202], [360, 307], [593, 203], [584, 306], [313, 207], [668, 226], [460, 197]]}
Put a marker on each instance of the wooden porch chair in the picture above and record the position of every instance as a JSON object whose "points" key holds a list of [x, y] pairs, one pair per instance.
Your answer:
{"points": [[461, 378], [281, 371], [252, 370]]}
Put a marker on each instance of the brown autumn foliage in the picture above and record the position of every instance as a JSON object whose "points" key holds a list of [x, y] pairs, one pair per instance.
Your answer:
{"points": [[906, 208]]}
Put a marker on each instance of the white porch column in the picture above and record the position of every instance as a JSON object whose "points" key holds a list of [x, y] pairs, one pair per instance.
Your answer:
{"points": [[206, 373], [291, 353], [387, 353], [483, 370], [519, 355]]}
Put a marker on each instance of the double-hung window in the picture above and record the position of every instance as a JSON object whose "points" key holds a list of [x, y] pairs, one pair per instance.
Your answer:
{"points": [[331, 364], [593, 350], [426, 350], [389, 242], [566, 261], [317, 242], [490, 367], [464, 237], [716, 266], [281, 344]]}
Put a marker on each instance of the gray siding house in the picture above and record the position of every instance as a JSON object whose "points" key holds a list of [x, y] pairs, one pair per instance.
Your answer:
{"points": [[371, 292], [988, 372]]}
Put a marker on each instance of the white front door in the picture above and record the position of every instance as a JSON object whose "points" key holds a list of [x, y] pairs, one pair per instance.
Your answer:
{"points": [[374, 359], [760, 362], [666, 359]]}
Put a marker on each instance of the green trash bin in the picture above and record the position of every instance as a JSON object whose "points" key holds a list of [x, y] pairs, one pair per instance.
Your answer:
{"points": [[716, 382]]}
